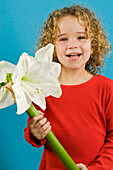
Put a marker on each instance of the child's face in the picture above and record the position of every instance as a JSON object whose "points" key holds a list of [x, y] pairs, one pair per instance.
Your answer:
{"points": [[72, 46]]}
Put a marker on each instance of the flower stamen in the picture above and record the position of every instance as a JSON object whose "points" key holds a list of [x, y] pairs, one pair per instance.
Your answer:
{"points": [[38, 91]]}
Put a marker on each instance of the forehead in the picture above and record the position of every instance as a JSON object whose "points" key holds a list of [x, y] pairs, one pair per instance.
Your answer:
{"points": [[70, 24]]}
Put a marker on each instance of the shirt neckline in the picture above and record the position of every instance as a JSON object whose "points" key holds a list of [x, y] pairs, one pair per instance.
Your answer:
{"points": [[82, 84]]}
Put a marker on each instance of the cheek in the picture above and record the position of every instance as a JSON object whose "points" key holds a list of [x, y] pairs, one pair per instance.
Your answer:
{"points": [[87, 47], [59, 53], [59, 49]]}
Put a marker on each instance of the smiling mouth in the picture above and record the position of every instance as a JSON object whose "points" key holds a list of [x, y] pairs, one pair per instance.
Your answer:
{"points": [[74, 55]]}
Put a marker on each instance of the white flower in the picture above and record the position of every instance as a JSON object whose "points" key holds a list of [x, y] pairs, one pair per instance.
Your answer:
{"points": [[6, 98], [36, 78], [45, 54]]}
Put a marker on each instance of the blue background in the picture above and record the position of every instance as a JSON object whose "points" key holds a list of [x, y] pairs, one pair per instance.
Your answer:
{"points": [[20, 24]]}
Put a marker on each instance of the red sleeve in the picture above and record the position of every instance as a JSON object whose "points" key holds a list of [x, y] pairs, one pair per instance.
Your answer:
{"points": [[104, 159], [31, 139]]}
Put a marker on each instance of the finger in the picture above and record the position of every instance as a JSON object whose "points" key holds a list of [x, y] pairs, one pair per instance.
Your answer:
{"points": [[42, 132], [41, 123], [40, 112], [43, 135], [81, 166], [34, 120], [45, 126]]}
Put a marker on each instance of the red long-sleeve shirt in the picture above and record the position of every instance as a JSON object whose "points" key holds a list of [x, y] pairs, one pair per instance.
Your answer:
{"points": [[82, 120]]}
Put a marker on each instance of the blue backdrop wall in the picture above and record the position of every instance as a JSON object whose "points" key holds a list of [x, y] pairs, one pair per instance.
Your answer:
{"points": [[20, 24]]}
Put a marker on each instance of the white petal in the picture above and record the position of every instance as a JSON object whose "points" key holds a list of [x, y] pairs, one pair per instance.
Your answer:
{"points": [[17, 76], [22, 99], [55, 93], [27, 67], [5, 67], [2, 76], [37, 98], [25, 61], [51, 86], [52, 69], [5, 98], [44, 71], [45, 54], [55, 69], [35, 71]]}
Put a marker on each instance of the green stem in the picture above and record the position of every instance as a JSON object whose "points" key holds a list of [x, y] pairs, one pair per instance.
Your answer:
{"points": [[8, 79], [55, 144]]}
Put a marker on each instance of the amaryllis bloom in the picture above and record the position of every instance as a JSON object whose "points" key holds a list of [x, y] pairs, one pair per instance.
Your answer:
{"points": [[36, 78], [6, 98], [33, 79]]}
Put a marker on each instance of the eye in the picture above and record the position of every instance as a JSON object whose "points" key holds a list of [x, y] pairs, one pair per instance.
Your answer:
{"points": [[81, 37], [63, 39]]}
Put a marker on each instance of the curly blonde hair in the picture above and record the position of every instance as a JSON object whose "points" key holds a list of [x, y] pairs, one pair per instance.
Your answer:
{"points": [[99, 44]]}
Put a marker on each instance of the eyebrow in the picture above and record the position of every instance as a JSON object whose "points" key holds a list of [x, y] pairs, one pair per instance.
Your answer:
{"points": [[61, 35], [66, 33]]}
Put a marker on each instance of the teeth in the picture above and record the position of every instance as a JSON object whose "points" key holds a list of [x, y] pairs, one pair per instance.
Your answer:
{"points": [[73, 55]]}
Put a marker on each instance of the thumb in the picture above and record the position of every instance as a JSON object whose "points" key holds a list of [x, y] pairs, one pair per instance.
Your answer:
{"points": [[81, 166]]}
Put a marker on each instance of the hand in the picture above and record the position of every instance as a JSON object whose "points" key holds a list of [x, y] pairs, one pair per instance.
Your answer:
{"points": [[82, 166], [39, 128]]}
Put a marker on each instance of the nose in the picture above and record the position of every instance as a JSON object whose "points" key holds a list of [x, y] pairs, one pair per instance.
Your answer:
{"points": [[72, 43]]}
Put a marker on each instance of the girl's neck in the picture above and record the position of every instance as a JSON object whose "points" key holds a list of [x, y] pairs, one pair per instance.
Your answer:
{"points": [[74, 77]]}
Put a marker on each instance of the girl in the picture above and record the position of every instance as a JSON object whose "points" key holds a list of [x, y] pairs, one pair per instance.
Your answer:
{"points": [[82, 118]]}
